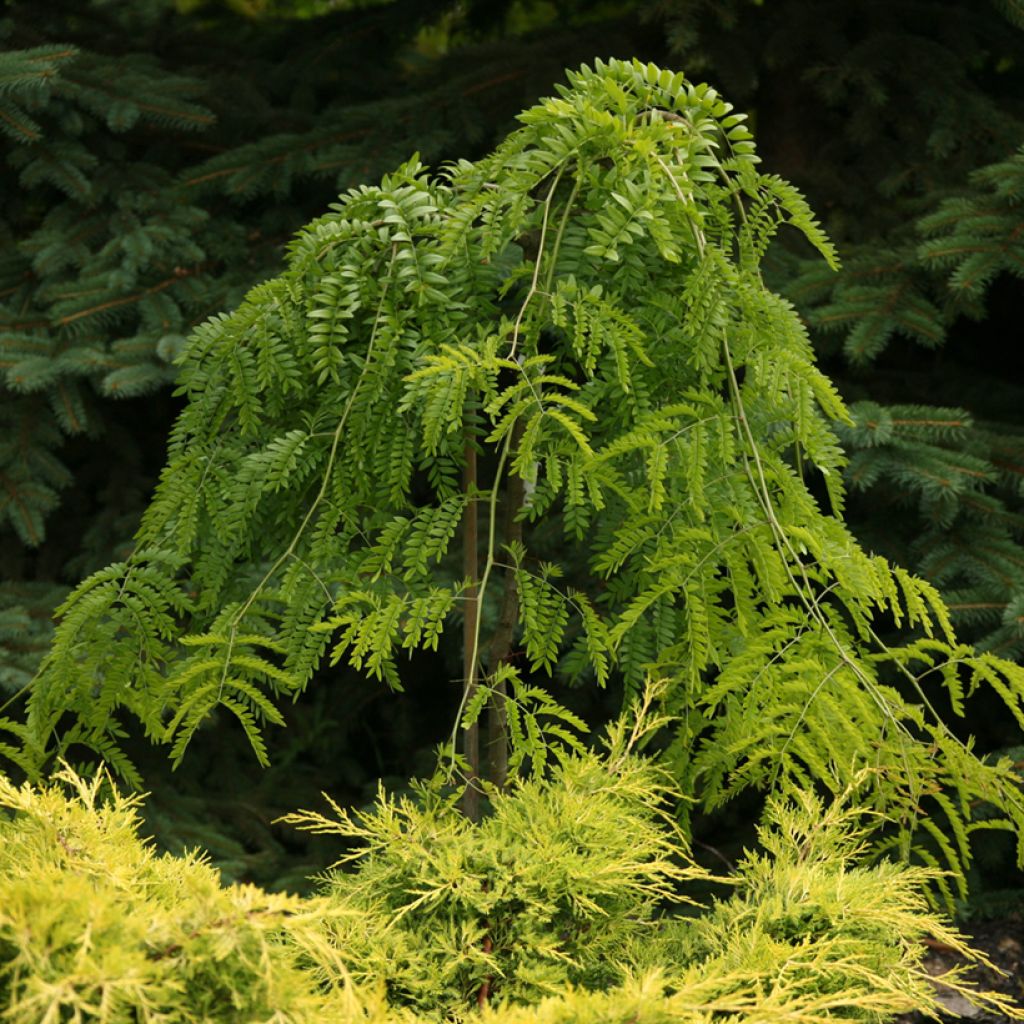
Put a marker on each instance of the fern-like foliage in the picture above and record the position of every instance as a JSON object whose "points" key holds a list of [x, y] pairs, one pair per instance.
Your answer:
{"points": [[898, 118], [567, 350]]}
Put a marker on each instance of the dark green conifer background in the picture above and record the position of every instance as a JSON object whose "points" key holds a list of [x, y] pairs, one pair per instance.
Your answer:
{"points": [[157, 158]]}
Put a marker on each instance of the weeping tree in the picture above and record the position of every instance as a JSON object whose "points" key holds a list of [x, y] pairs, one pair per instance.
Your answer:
{"points": [[546, 402]]}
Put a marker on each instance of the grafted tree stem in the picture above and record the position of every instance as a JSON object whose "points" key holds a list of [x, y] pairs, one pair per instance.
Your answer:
{"points": [[471, 571], [500, 648]]}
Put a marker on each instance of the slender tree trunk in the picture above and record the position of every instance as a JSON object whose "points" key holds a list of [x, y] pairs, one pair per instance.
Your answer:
{"points": [[500, 648], [491, 762], [471, 570]]}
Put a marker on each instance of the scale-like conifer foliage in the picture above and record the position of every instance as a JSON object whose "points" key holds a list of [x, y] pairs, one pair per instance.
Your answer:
{"points": [[547, 394], [539, 898], [96, 927]]}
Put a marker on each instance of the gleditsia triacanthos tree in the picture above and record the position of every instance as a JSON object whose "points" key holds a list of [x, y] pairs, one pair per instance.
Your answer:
{"points": [[548, 396]]}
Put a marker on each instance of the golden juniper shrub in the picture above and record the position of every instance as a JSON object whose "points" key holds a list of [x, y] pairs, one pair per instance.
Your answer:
{"points": [[95, 926], [557, 908], [813, 928], [551, 890], [565, 903]]}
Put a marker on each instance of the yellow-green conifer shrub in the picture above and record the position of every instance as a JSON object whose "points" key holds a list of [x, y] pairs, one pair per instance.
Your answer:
{"points": [[557, 887], [563, 904], [556, 908], [813, 930], [95, 926]]}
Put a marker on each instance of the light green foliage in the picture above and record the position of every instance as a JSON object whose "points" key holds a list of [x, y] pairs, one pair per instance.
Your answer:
{"points": [[809, 935], [815, 926], [584, 310], [550, 910], [557, 887], [95, 926], [920, 320]]}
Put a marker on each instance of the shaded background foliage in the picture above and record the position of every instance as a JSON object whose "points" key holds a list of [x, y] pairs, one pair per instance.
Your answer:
{"points": [[156, 159]]}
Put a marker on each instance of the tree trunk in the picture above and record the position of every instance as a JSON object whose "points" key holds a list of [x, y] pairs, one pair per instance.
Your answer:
{"points": [[471, 570]]}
